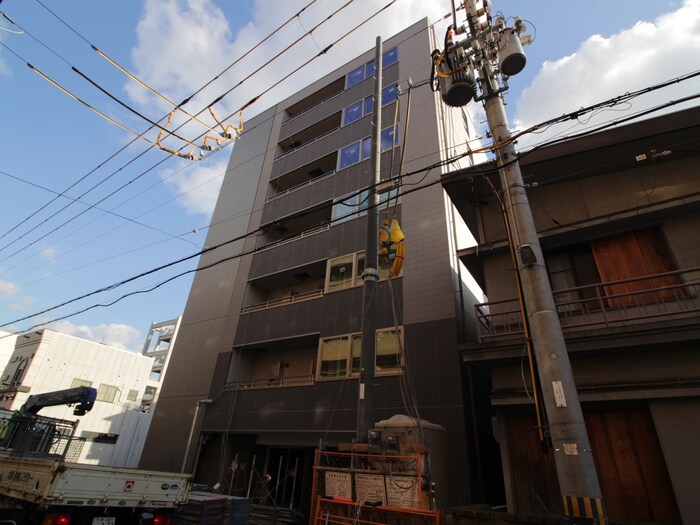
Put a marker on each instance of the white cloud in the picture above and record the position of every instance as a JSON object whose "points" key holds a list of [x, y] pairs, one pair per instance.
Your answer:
{"points": [[8, 288], [49, 253], [645, 54], [4, 69], [121, 336], [12, 294], [198, 185]]}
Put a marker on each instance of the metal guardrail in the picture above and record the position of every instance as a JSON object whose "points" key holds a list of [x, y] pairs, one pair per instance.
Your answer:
{"points": [[626, 301], [301, 146], [270, 382], [305, 296], [311, 108], [30, 435], [302, 235], [298, 186]]}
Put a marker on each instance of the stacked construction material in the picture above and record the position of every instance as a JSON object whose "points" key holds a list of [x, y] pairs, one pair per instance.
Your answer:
{"points": [[206, 508], [265, 515]]}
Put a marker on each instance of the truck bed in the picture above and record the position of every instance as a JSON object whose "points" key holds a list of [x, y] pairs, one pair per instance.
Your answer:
{"points": [[54, 482]]}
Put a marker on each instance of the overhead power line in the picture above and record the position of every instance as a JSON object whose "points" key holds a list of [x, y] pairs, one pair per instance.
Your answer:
{"points": [[297, 69], [472, 171]]}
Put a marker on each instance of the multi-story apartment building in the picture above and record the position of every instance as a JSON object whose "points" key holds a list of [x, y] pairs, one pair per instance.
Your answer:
{"points": [[617, 214], [266, 365]]}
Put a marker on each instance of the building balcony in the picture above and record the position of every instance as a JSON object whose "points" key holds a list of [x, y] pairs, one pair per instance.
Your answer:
{"points": [[271, 381], [283, 301], [629, 303], [275, 363]]}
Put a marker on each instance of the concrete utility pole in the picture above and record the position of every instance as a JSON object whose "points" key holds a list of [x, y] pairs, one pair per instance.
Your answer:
{"points": [[370, 275], [490, 51]]}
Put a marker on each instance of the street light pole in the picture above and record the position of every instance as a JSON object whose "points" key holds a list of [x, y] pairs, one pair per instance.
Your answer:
{"points": [[192, 427]]}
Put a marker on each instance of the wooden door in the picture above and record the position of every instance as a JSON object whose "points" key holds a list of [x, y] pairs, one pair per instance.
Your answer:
{"points": [[629, 461], [635, 254]]}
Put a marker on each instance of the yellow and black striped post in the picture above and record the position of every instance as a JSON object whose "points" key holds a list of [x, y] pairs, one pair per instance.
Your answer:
{"points": [[585, 508]]}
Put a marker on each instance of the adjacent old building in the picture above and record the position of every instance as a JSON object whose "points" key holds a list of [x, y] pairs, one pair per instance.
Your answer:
{"points": [[617, 214]]}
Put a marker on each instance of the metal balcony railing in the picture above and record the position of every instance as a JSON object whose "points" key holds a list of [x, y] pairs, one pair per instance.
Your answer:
{"points": [[302, 235], [606, 304], [271, 382], [30, 435], [298, 186], [314, 106], [295, 298], [307, 143]]}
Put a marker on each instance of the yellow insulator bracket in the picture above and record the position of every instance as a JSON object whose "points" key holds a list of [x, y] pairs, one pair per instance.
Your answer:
{"points": [[391, 238], [398, 260], [226, 130]]}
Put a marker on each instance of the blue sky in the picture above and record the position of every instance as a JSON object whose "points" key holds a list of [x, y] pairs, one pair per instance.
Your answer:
{"points": [[127, 211]]}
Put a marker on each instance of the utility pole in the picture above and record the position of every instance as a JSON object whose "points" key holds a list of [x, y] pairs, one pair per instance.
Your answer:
{"points": [[489, 54], [370, 275]]}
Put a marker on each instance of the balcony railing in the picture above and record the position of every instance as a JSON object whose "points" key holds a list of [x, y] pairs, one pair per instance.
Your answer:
{"points": [[302, 235], [295, 298], [307, 143], [298, 186], [310, 108], [271, 382], [30, 435], [612, 303]]}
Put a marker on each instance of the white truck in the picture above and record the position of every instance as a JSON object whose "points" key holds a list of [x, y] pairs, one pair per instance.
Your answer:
{"points": [[38, 486]]}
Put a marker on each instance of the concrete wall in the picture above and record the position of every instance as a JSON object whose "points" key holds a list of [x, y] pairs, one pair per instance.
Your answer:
{"points": [[584, 199], [7, 347]]}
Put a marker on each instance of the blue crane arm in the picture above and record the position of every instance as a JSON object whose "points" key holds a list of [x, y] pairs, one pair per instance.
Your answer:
{"points": [[83, 396]]}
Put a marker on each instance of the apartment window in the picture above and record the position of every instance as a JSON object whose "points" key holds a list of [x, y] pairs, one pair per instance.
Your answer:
{"points": [[366, 148], [355, 204], [107, 393], [334, 357], [389, 57], [340, 274], [388, 350], [349, 155], [340, 356], [353, 112], [388, 139], [132, 395], [365, 107], [369, 105], [355, 77], [346, 271], [389, 94], [367, 71], [77, 382]]}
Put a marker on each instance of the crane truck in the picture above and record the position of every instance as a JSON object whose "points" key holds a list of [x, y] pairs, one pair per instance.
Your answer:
{"points": [[39, 486]]}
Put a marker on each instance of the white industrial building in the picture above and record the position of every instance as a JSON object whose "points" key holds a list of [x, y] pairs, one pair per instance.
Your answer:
{"points": [[7, 347], [114, 430]]}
